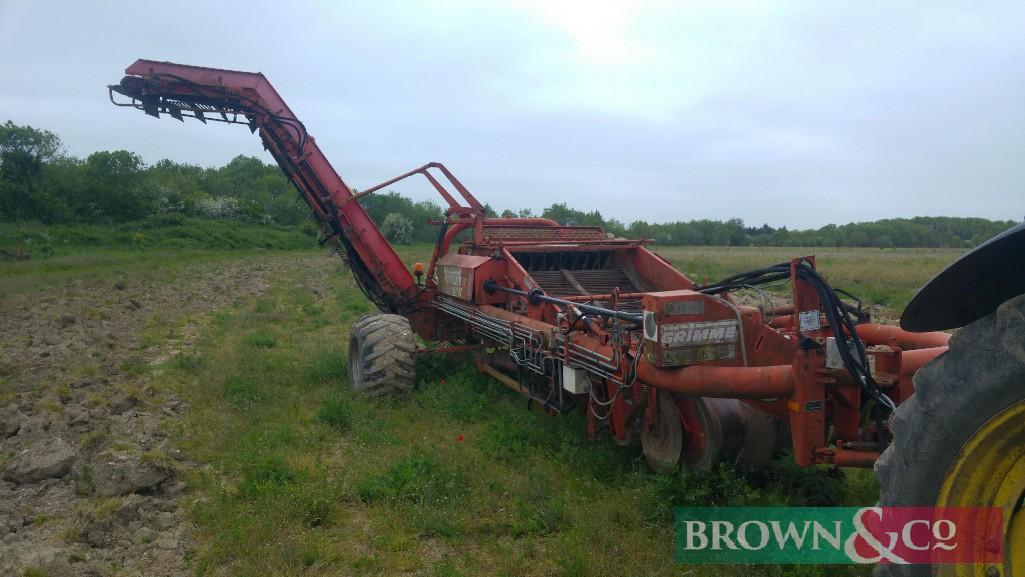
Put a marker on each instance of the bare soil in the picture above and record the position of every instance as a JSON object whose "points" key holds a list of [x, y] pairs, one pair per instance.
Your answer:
{"points": [[91, 482]]}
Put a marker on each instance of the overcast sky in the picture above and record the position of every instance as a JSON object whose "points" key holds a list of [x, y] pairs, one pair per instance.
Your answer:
{"points": [[787, 113]]}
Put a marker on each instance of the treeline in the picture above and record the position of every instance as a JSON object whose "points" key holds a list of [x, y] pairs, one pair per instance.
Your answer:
{"points": [[40, 183], [921, 231]]}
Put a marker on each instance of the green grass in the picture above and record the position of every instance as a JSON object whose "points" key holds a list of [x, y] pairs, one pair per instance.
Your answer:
{"points": [[167, 232], [155, 246], [336, 412], [118, 268], [458, 478], [884, 277]]}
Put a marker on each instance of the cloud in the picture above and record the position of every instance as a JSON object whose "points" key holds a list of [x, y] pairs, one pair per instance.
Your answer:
{"points": [[789, 113], [600, 30]]}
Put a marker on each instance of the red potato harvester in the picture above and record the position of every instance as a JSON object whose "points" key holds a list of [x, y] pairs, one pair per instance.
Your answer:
{"points": [[575, 319]]}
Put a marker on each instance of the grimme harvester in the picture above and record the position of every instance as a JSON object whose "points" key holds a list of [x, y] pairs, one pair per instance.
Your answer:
{"points": [[575, 319]]}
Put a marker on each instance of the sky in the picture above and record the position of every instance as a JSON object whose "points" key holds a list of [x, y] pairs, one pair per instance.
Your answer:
{"points": [[794, 114]]}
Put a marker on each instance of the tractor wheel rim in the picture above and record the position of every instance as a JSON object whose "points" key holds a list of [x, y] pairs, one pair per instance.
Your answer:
{"points": [[989, 471]]}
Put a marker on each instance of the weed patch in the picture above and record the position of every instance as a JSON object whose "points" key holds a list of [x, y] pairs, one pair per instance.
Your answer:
{"points": [[187, 362], [265, 471], [259, 340], [242, 392], [539, 510], [336, 413], [421, 478]]}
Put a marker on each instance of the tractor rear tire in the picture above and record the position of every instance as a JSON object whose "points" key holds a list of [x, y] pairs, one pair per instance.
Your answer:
{"points": [[382, 355], [960, 439]]}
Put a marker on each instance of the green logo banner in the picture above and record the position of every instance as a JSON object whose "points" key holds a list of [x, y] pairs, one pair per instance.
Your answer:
{"points": [[839, 535]]}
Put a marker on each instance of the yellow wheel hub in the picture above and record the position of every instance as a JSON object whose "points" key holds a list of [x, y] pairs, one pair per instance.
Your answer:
{"points": [[989, 471]]}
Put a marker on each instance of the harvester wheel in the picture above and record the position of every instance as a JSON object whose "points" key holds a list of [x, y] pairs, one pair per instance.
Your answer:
{"points": [[717, 430], [382, 355], [663, 445], [729, 430], [960, 440]]}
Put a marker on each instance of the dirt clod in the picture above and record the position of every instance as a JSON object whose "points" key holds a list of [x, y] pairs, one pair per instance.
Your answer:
{"points": [[10, 422], [120, 473], [43, 459]]}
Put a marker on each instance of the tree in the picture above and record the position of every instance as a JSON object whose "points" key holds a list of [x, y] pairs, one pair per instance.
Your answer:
{"points": [[24, 150], [561, 213], [615, 227], [397, 228], [117, 188], [23, 153], [178, 187], [380, 205]]}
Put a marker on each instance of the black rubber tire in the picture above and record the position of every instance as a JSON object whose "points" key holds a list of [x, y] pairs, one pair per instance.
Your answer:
{"points": [[981, 375], [734, 431], [382, 355]]}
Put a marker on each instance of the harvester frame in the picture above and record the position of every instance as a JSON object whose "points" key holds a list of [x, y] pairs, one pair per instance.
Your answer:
{"points": [[572, 317], [569, 316]]}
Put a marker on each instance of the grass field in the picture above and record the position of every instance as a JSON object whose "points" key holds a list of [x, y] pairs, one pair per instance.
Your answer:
{"points": [[157, 232], [887, 278], [298, 476]]}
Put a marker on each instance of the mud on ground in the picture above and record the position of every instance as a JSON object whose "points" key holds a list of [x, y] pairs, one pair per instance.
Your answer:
{"points": [[91, 483]]}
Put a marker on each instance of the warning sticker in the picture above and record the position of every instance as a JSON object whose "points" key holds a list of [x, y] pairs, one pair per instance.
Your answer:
{"points": [[810, 320]]}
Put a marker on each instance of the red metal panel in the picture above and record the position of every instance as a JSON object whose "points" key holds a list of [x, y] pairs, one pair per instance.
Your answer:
{"points": [[690, 328], [456, 274], [463, 276], [657, 271]]}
